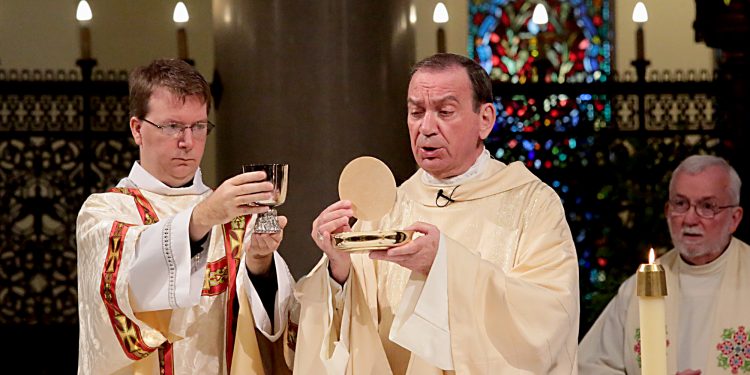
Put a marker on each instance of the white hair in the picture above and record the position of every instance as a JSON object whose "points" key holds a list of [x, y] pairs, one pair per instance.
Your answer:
{"points": [[698, 163]]}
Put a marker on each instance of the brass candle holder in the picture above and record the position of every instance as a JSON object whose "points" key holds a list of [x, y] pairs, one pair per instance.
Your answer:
{"points": [[651, 281]]}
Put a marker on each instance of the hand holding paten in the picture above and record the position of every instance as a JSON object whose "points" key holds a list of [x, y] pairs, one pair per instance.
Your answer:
{"points": [[369, 185], [334, 219], [417, 255]]}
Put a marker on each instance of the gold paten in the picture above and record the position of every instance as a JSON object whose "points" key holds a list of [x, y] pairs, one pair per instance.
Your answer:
{"points": [[375, 240], [651, 281]]}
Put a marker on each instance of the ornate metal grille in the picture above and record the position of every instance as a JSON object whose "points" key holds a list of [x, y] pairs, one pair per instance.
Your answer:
{"points": [[607, 152], [61, 139]]}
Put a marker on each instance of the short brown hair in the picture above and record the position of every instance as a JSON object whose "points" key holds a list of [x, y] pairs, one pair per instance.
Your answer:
{"points": [[480, 80], [175, 75]]}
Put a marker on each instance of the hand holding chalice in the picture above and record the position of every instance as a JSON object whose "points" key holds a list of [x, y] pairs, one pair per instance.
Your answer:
{"points": [[276, 174]]}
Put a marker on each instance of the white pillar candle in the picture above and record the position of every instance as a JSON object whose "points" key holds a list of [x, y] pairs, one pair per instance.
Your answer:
{"points": [[652, 288]]}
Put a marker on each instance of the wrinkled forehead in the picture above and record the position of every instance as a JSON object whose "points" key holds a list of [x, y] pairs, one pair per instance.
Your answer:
{"points": [[712, 182], [439, 82]]}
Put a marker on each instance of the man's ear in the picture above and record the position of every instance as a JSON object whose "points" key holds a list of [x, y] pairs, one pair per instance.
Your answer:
{"points": [[135, 129], [487, 119], [736, 218]]}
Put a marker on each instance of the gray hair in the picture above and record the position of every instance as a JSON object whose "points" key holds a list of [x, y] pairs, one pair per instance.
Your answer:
{"points": [[698, 163]]}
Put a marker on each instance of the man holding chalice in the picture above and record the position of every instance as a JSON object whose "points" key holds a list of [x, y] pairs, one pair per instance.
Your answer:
{"points": [[167, 267], [487, 284]]}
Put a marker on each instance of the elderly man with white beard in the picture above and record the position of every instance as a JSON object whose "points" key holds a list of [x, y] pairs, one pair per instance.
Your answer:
{"points": [[708, 282]]}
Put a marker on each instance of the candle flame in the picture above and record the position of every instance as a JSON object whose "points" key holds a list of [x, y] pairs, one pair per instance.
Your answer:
{"points": [[651, 256], [180, 14], [540, 16], [83, 12], [640, 15], [440, 14], [412, 14]]}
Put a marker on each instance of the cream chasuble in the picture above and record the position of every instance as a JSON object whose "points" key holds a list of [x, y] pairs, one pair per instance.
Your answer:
{"points": [[501, 297], [612, 346], [192, 339]]}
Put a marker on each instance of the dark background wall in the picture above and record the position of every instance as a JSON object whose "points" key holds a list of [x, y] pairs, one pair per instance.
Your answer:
{"points": [[313, 84]]}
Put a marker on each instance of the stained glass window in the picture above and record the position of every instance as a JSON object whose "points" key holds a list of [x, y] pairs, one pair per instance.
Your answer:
{"points": [[552, 133], [574, 46], [561, 114]]}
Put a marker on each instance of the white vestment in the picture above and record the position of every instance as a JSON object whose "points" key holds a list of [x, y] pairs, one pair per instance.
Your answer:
{"points": [[707, 316], [145, 305], [501, 296]]}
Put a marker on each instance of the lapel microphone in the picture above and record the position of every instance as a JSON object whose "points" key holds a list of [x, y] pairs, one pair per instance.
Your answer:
{"points": [[448, 198]]}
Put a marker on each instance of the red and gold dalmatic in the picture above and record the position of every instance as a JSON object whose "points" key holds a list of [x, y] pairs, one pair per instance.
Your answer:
{"points": [[193, 340]]}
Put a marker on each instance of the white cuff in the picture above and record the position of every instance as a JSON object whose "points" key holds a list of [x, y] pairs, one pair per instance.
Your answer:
{"points": [[162, 275], [421, 322], [285, 282]]}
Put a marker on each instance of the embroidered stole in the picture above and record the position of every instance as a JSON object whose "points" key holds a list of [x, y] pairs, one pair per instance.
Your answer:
{"points": [[220, 277]]}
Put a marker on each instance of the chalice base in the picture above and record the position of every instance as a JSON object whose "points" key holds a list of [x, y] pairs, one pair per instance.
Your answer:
{"points": [[267, 223]]}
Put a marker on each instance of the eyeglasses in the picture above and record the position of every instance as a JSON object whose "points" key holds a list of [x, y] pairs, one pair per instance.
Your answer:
{"points": [[706, 208], [199, 129]]}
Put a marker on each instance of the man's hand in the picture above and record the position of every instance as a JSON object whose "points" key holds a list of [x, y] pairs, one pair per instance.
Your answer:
{"points": [[417, 255], [234, 197], [262, 246], [334, 219], [689, 372]]}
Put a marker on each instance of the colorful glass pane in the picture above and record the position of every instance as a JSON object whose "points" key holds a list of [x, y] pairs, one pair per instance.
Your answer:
{"points": [[552, 134], [574, 46], [610, 171]]}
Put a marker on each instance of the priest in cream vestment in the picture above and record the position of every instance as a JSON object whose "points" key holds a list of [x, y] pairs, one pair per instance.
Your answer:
{"points": [[491, 287], [708, 284], [166, 266]]}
